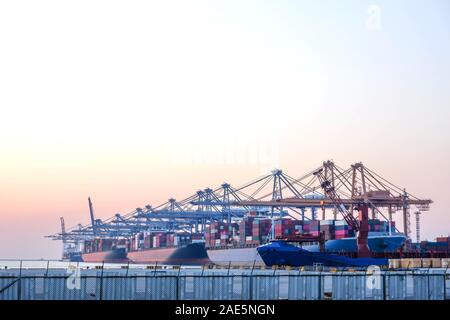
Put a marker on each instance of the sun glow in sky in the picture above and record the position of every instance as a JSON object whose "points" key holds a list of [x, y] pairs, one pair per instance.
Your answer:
{"points": [[133, 102]]}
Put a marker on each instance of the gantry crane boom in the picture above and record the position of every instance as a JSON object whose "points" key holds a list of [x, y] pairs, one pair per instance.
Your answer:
{"points": [[361, 226], [63, 229], [336, 200]]}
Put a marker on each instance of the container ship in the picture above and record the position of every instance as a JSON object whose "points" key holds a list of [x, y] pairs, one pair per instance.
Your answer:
{"points": [[339, 238], [287, 252], [104, 250], [167, 248], [147, 248], [235, 243], [280, 252]]}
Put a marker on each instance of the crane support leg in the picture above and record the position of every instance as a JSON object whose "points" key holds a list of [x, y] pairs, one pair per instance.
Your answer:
{"points": [[405, 221], [362, 240]]}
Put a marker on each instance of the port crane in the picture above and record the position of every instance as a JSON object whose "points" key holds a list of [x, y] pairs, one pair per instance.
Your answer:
{"points": [[192, 213], [277, 194], [361, 226], [356, 188]]}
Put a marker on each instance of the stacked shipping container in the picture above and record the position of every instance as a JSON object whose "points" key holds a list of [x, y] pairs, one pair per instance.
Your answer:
{"points": [[442, 244], [328, 228], [220, 234], [287, 227], [260, 230], [313, 227], [376, 225], [100, 244], [342, 230], [253, 231], [245, 231], [159, 240], [148, 240]]}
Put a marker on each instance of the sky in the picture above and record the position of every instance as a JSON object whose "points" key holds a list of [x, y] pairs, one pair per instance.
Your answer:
{"points": [[134, 102]]}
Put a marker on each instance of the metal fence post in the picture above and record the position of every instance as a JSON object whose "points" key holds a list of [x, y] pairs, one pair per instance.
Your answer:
{"points": [[128, 268], [19, 285], [445, 286], [319, 287], [156, 266], [250, 290], [445, 281], [177, 287], [48, 265], [101, 282], [177, 284]]}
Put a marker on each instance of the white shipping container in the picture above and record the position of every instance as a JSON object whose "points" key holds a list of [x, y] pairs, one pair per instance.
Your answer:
{"points": [[436, 263], [426, 263], [394, 263]]}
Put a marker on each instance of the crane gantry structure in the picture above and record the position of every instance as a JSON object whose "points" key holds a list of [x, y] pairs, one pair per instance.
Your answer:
{"points": [[328, 188], [350, 188]]}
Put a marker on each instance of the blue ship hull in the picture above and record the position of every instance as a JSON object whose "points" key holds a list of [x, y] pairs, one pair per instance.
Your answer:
{"points": [[282, 253], [378, 243]]}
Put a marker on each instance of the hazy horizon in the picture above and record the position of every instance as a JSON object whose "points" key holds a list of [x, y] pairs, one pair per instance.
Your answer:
{"points": [[132, 103]]}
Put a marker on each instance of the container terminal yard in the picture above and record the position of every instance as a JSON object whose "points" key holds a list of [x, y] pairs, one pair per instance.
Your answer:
{"points": [[324, 235]]}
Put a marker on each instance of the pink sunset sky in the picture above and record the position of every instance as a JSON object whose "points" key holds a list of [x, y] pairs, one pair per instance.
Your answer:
{"points": [[134, 104]]}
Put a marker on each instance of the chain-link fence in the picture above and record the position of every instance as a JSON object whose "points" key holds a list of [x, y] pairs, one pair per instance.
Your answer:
{"points": [[225, 285]]}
